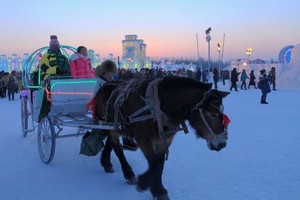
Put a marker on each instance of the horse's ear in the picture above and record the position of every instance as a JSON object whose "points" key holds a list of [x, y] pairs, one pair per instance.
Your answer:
{"points": [[223, 94]]}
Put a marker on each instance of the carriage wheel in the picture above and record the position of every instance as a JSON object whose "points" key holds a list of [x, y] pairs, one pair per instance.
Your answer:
{"points": [[46, 139], [24, 116]]}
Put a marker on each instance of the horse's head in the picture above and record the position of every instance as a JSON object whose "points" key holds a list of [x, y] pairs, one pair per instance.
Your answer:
{"points": [[210, 122]]}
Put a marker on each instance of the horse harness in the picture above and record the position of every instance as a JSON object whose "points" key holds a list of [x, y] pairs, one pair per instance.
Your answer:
{"points": [[152, 104]]}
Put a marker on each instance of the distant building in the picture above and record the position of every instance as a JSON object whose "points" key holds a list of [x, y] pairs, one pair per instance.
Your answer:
{"points": [[3, 63], [134, 52], [258, 61]]}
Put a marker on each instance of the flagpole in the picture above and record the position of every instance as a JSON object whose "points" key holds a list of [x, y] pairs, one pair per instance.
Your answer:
{"points": [[198, 52], [223, 46]]}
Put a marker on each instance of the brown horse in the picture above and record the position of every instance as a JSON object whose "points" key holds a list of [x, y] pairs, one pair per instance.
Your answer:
{"points": [[152, 112]]}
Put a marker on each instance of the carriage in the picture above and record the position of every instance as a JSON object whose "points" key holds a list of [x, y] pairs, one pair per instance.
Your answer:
{"points": [[150, 111], [68, 96]]}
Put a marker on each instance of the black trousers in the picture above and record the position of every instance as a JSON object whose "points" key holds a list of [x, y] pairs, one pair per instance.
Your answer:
{"points": [[263, 97], [233, 85], [11, 95]]}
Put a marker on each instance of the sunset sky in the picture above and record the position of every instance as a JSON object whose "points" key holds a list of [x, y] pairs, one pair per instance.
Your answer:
{"points": [[168, 27]]}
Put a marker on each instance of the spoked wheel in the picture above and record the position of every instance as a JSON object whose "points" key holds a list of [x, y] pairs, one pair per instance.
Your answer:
{"points": [[24, 115], [46, 139]]}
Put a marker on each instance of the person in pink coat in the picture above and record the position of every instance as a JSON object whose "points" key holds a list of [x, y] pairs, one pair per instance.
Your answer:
{"points": [[80, 64]]}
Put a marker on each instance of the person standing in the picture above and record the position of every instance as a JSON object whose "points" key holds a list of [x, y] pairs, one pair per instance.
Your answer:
{"points": [[80, 64], [12, 85], [216, 77], [272, 76], [252, 80], [264, 86], [244, 77], [234, 79]]}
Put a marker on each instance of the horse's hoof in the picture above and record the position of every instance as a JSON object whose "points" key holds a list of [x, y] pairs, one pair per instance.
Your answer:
{"points": [[139, 189], [162, 197], [109, 170], [131, 181]]}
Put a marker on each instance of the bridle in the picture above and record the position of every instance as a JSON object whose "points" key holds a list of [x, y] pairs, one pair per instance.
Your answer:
{"points": [[224, 134]]}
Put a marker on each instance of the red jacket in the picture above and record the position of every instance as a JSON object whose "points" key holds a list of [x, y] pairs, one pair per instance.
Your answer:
{"points": [[80, 67]]}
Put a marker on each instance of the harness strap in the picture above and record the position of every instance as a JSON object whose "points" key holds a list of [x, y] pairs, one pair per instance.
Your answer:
{"points": [[184, 127], [159, 117], [221, 135], [132, 118]]}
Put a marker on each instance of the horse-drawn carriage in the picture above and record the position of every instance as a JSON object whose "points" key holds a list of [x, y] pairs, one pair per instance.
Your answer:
{"points": [[68, 98], [150, 111]]}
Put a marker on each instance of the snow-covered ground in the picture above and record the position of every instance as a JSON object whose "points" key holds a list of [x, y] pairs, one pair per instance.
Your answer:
{"points": [[261, 160]]}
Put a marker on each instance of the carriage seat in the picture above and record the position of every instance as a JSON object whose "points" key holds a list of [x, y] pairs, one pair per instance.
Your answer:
{"points": [[70, 96]]}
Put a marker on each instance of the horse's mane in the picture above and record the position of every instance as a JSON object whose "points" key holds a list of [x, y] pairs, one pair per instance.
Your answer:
{"points": [[176, 82]]}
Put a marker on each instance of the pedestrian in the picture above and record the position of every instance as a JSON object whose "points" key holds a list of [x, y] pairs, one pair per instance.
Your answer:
{"points": [[244, 77], [272, 76], [234, 79], [216, 77], [264, 86], [252, 80], [12, 85]]}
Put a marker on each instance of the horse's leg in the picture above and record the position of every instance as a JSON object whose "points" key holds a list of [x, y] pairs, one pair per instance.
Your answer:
{"points": [[157, 189], [105, 156], [126, 168], [152, 177]]}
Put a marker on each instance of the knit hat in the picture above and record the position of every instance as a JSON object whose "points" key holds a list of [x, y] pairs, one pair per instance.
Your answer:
{"points": [[53, 41], [106, 67]]}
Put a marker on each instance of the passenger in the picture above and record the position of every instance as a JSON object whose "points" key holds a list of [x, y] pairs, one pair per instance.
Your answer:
{"points": [[105, 72], [54, 62], [80, 64]]}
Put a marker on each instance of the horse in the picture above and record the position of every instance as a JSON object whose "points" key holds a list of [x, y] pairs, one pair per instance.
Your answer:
{"points": [[152, 112]]}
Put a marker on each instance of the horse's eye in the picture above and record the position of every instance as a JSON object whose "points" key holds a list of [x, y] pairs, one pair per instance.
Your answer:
{"points": [[213, 115]]}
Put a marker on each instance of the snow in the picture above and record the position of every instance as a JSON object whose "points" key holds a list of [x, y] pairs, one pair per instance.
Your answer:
{"points": [[261, 160]]}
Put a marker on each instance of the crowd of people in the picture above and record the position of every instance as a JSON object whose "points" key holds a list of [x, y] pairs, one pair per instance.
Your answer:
{"points": [[53, 62], [10, 84]]}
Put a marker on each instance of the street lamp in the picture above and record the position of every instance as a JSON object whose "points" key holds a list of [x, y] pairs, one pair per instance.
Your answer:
{"points": [[219, 50], [248, 53], [208, 38]]}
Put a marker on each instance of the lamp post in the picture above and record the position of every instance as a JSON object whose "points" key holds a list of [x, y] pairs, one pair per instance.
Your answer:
{"points": [[208, 38], [219, 50], [248, 53]]}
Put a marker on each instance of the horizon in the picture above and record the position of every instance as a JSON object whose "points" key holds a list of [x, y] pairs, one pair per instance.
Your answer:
{"points": [[168, 28]]}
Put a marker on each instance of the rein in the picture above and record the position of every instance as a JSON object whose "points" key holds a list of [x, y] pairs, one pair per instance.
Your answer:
{"points": [[225, 119], [221, 135]]}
